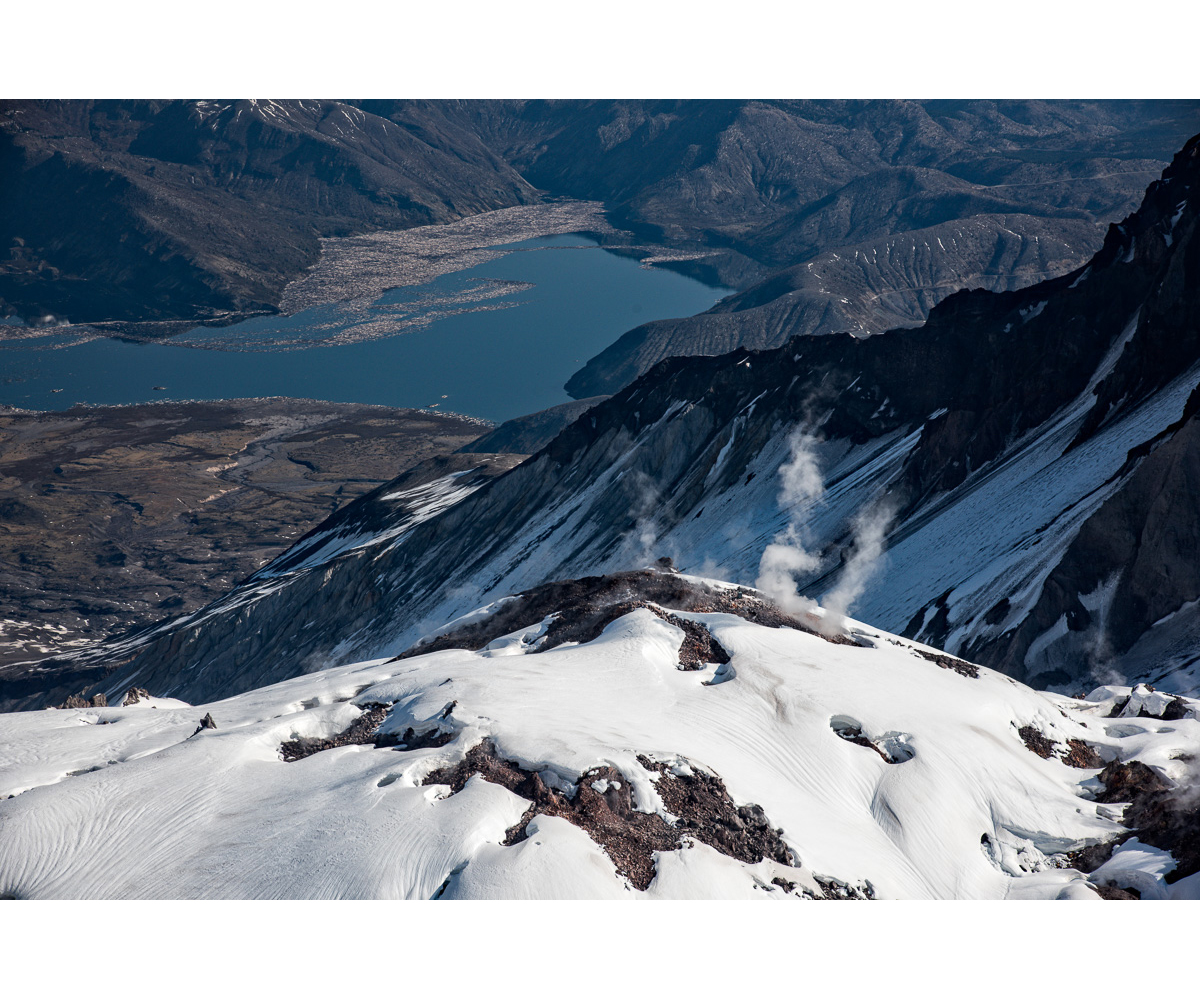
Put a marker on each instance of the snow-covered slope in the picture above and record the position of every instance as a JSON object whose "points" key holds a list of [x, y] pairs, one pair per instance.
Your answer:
{"points": [[577, 757]]}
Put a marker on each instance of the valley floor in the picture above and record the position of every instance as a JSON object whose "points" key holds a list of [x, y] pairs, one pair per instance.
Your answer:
{"points": [[118, 517]]}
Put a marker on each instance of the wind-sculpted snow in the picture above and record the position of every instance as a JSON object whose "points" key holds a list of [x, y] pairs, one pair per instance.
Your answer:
{"points": [[945, 801]]}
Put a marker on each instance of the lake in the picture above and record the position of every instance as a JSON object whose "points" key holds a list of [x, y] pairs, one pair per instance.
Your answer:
{"points": [[496, 341]]}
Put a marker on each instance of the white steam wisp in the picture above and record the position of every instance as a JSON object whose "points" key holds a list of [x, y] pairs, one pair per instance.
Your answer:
{"points": [[788, 555], [870, 527]]}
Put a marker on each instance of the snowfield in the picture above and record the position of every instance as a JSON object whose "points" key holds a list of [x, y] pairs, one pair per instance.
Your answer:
{"points": [[881, 769]]}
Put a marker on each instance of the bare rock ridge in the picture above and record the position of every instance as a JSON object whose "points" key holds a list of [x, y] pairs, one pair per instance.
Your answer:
{"points": [[577, 611]]}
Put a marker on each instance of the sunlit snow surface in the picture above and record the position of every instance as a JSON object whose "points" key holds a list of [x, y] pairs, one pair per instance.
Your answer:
{"points": [[126, 802]]}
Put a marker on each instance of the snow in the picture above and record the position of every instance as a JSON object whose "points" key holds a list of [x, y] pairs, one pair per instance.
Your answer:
{"points": [[719, 464], [419, 504], [220, 814], [1138, 866], [1169, 235]]}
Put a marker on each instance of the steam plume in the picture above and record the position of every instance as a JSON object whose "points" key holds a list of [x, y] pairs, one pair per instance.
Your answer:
{"points": [[788, 555], [641, 540], [870, 527]]}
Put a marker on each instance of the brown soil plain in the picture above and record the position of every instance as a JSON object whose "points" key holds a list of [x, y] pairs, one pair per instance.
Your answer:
{"points": [[113, 518]]}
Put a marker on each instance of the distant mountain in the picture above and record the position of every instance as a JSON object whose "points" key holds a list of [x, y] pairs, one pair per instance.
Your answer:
{"points": [[777, 180], [1027, 454], [638, 736], [894, 204], [153, 210], [862, 289], [201, 210], [532, 432]]}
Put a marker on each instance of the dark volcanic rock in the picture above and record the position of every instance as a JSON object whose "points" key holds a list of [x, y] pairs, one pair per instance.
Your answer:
{"points": [[1036, 741], [1088, 859], [1076, 752], [583, 608], [1082, 755], [1125, 782], [360, 731], [1159, 814], [707, 813], [948, 662], [611, 819], [531, 433], [364, 731], [1112, 892], [79, 701]]}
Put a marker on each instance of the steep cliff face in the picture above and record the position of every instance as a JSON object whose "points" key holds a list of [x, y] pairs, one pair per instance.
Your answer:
{"points": [[993, 433], [1123, 596], [153, 210]]}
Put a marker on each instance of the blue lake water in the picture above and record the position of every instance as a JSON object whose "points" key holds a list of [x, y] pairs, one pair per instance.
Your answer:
{"points": [[495, 341]]}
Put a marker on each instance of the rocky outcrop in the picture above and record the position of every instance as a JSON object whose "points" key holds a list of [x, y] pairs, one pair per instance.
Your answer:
{"points": [[1159, 812], [577, 611], [603, 805]]}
